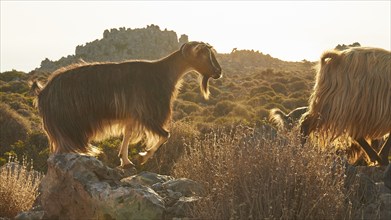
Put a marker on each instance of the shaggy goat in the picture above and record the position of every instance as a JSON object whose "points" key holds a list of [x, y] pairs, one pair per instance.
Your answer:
{"points": [[285, 121], [352, 95], [90, 101]]}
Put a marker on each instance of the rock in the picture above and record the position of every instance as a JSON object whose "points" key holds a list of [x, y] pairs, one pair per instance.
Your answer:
{"points": [[81, 187], [367, 191], [77, 187], [387, 176], [385, 211], [120, 45], [32, 215], [146, 178], [185, 186]]}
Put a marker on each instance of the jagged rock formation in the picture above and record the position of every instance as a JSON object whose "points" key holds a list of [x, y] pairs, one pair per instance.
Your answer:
{"points": [[81, 187], [122, 44]]}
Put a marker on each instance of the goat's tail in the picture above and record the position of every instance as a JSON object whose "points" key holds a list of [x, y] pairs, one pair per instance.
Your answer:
{"points": [[35, 87], [330, 57], [278, 118]]}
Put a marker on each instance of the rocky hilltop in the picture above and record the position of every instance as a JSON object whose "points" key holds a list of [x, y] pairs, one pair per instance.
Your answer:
{"points": [[122, 44]]}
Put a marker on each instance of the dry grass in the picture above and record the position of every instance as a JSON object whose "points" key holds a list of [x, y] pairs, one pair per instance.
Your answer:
{"points": [[252, 174], [18, 187]]}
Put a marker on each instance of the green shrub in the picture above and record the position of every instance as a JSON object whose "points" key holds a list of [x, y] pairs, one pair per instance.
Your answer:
{"points": [[279, 88], [223, 108], [15, 87], [12, 76], [188, 107], [35, 147], [13, 127]]}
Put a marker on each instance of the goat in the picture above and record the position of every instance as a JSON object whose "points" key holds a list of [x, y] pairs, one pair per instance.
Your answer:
{"points": [[285, 121], [352, 95], [90, 101]]}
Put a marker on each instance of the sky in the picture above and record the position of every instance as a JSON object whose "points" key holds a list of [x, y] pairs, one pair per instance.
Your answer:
{"points": [[289, 30]]}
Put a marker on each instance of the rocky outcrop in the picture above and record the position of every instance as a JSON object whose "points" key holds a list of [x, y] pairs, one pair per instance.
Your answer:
{"points": [[122, 44], [81, 187], [368, 191]]}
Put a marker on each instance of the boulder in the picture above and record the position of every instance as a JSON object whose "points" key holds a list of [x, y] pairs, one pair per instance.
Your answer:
{"points": [[387, 176], [82, 187], [367, 190]]}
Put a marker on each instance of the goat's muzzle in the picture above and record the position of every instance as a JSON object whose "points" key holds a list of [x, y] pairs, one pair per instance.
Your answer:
{"points": [[217, 73]]}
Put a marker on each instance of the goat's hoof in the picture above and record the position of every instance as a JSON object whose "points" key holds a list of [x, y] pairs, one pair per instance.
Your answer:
{"points": [[127, 170], [143, 154], [139, 160], [128, 166]]}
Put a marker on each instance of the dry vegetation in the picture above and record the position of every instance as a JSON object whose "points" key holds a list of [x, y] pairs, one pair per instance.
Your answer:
{"points": [[248, 172], [18, 187], [252, 174]]}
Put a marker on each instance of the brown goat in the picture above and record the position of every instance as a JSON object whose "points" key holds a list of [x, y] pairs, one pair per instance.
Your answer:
{"points": [[90, 101], [352, 95], [285, 121]]}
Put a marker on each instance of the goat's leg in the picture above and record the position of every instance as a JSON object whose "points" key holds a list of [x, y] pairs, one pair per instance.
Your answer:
{"points": [[385, 150], [373, 156], [150, 152], [123, 153], [304, 130]]}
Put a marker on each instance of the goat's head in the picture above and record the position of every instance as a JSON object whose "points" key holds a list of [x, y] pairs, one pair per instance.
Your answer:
{"points": [[202, 59]]}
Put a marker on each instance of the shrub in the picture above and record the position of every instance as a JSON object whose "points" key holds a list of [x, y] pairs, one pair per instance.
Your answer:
{"points": [[15, 87], [279, 88], [109, 148], [247, 174], [223, 108], [260, 90], [12, 75], [18, 187], [34, 147], [13, 127], [164, 160], [187, 107]]}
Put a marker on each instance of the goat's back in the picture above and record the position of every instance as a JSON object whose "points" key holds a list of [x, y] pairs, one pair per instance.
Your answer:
{"points": [[80, 103], [352, 93]]}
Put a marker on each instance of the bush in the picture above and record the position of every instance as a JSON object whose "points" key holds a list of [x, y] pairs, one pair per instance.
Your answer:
{"points": [[34, 147], [223, 108], [279, 88], [15, 87], [248, 174], [164, 160], [12, 75], [187, 107], [18, 187], [13, 127]]}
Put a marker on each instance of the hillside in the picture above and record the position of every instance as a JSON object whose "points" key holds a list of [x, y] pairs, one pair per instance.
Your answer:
{"points": [[252, 84], [252, 173], [122, 44]]}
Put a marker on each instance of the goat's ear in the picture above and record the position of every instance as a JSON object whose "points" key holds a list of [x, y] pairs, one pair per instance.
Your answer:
{"points": [[197, 48], [185, 49], [192, 49]]}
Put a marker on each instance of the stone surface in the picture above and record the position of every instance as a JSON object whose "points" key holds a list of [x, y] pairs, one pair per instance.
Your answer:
{"points": [[81, 187], [370, 192], [120, 45], [387, 176]]}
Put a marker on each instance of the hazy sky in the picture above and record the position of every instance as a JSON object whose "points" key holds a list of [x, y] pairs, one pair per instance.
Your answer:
{"points": [[289, 30]]}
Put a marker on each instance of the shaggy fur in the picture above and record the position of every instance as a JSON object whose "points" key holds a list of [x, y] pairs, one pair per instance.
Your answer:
{"points": [[285, 121], [90, 101], [352, 95]]}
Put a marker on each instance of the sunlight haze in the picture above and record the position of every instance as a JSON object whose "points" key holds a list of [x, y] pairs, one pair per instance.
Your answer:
{"points": [[34, 30]]}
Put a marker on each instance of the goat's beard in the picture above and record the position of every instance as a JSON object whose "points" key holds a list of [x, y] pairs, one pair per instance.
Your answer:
{"points": [[205, 87]]}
